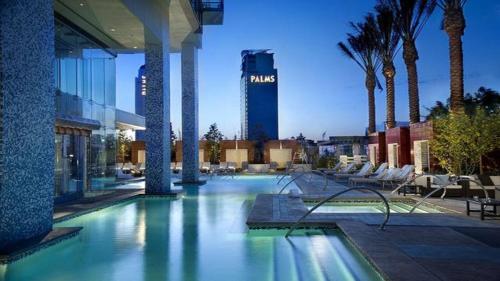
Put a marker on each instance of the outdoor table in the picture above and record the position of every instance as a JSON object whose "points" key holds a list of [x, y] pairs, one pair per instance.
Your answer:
{"points": [[484, 203]]}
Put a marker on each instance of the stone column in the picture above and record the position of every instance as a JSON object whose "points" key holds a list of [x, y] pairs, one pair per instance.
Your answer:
{"points": [[27, 118], [157, 58], [190, 158]]}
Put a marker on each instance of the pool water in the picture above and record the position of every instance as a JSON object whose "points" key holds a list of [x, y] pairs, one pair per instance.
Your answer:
{"points": [[369, 207], [202, 236]]}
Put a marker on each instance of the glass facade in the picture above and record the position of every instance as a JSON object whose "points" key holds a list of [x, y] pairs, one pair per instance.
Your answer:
{"points": [[85, 93]]}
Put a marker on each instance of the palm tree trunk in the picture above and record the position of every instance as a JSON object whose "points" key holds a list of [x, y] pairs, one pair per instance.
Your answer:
{"points": [[389, 73], [410, 56], [370, 86], [454, 24]]}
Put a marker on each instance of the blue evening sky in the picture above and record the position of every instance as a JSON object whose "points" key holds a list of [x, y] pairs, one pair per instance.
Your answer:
{"points": [[319, 88]]}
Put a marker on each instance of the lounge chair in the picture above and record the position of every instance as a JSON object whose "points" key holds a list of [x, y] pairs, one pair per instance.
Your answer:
{"points": [[172, 166], [222, 167], [178, 167], [205, 167], [138, 170], [363, 172], [273, 166], [400, 177], [231, 167], [332, 170], [127, 167], [375, 179], [347, 169]]}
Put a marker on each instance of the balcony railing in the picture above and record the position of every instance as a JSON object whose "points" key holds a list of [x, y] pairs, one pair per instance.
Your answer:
{"points": [[208, 11]]}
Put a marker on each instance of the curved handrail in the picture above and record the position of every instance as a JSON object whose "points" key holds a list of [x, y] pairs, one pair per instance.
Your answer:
{"points": [[292, 180], [443, 186], [386, 203], [325, 176], [290, 172]]}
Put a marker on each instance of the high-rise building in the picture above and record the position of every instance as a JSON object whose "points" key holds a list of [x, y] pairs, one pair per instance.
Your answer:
{"points": [[259, 95], [140, 98]]}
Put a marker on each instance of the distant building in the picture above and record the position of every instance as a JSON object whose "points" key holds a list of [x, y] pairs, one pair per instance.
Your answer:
{"points": [[344, 145], [140, 98], [259, 96]]}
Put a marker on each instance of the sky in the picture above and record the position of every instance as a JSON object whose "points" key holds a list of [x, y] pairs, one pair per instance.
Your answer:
{"points": [[320, 90]]}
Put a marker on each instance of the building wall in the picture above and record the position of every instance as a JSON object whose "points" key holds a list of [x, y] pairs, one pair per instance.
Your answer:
{"points": [[201, 145], [379, 138], [242, 144], [401, 136], [276, 144]]}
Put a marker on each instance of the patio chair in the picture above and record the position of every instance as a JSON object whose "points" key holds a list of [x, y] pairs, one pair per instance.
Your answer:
{"points": [[138, 170], [222, 167], [178, 167], [363, 172], [127, 167], [496, 182], [273, 166], [244, 166], [205, 167], [344, 170], [332, 170], [400, 177], [375, 179], [231, 167]]}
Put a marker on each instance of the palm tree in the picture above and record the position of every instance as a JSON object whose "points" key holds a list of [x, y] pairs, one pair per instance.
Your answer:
{"points": [[361, 48], [454, 25], [411, 16], [387, 47]]}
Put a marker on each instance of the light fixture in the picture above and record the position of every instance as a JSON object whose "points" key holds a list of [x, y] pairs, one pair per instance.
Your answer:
{"points": [[135, 47], [81, 4], [113, 30]]}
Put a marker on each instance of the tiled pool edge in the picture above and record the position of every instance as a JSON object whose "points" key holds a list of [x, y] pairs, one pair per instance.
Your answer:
{"points": [[114, 203], [56, 236]]}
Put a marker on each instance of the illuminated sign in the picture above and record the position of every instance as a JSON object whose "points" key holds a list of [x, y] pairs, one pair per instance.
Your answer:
{"points": [[262, 79], [143, 85]]}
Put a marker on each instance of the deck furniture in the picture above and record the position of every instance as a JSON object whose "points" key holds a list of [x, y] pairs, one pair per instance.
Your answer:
{"points": [[363, 172], [484, 204]]}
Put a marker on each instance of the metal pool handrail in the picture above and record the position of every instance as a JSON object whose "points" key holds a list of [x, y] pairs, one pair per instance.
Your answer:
{"points": [[444, 186], [292, 180], [290, 172], [386, 203]]}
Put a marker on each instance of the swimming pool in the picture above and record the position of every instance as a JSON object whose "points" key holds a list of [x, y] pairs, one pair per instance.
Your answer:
{"points": [[369, 207], [202, 236]]}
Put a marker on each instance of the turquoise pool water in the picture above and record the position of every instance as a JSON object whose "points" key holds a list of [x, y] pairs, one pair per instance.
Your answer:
{"points": [[202, 236], [369, 207]]}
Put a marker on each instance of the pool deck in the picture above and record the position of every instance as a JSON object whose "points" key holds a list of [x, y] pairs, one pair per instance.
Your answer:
{"points": [[423, 246]]}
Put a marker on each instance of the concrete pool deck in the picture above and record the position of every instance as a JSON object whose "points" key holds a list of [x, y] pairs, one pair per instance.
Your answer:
{"points": [[425, 246]]}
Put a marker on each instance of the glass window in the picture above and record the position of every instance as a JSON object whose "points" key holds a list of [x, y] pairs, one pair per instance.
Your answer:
{"points": [[98, 78]]}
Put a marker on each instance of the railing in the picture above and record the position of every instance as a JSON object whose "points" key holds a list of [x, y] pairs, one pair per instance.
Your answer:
{"points": [[292, 180], [289, 172], [386, 203], [444, 186]]}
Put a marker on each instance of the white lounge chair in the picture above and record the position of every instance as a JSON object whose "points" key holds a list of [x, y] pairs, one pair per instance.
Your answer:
{"points": [[344, 170], [400, 177], [363, 172], [178, 167], [231, 167], [205, 167], [374, 179]]}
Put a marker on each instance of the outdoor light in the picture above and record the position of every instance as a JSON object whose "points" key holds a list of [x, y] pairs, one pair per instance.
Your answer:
{"points": [[113, 30]]}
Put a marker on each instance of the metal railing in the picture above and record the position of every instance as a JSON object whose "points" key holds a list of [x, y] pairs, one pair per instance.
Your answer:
{"points": [[444, 186], [292, 180], [386, 203]]}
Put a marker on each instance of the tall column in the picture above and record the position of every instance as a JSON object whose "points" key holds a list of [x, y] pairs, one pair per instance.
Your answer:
{"points": [[190, 158], [27, 118], [157, 58]]}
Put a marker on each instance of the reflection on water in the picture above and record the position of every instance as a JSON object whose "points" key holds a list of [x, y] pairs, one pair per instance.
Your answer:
{"points": [[202, 236]]}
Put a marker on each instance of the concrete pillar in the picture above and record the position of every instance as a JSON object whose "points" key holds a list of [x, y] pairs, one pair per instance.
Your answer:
{"points": [[190, 158], [157, 134], [27, 118]]}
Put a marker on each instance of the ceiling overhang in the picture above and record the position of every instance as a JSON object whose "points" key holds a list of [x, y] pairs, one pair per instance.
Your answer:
{"points": [[121, 24]]}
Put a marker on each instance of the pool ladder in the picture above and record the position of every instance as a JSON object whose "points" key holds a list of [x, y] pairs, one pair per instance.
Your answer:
{"points": [[382, 225]]}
